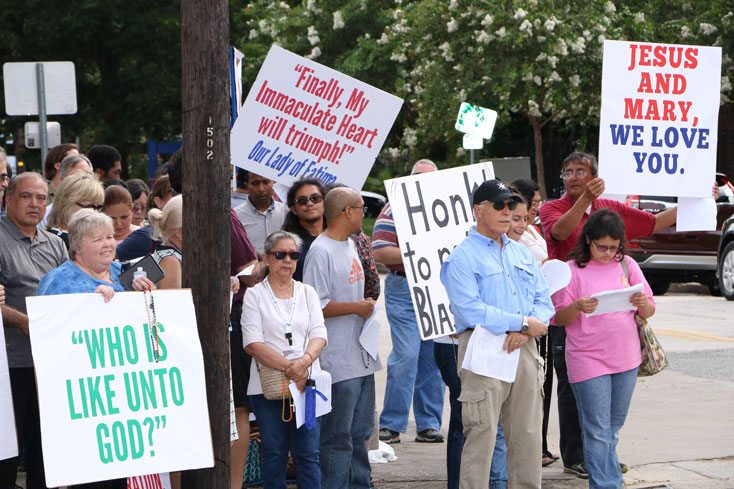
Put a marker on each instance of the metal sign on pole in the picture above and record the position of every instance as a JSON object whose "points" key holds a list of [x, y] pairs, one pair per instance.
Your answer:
{"points": [[43, 88]]}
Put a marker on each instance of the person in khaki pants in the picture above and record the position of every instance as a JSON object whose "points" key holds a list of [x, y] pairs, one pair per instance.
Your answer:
{"points": [[494, 283]]}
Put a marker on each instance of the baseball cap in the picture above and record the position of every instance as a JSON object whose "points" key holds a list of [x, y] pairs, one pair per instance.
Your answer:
{"points": [[493, 191]]}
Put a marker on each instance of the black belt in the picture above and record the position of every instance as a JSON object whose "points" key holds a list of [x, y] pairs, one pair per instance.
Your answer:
{"points": [[399, 274]]}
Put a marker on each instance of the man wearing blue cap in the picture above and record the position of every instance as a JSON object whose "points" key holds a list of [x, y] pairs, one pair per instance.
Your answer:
{"points": [[494, 283]]}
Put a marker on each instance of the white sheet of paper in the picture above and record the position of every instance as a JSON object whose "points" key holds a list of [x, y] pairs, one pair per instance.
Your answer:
{"points": [[370, 336], [323, 385], [484, 356], [8, 438], [557, 273], [246, 271], [696, 214], [615, 300]]}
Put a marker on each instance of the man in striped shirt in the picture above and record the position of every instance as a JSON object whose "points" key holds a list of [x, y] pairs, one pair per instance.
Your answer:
{"points": [[412, 374]]}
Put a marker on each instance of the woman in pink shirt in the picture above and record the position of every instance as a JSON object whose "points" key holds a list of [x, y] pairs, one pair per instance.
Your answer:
{"points": [[602, 351]]}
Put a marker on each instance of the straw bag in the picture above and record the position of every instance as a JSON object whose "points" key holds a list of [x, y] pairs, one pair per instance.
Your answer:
{"points": [[274, 383], [653, 355]]}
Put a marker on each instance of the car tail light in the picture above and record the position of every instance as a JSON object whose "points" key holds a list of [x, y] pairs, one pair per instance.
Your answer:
{"points": [[633, 201], [632, 244]]}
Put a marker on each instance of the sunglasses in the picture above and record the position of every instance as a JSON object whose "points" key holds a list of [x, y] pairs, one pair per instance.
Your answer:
{"points": [[498, 206], [361, 207], [314, 199], [605, 248], [280, 255], [90, 206]]}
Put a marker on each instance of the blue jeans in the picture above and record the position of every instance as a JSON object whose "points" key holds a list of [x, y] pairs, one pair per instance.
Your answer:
{"points": [[345, 432], [603, 403], [279, 437], [411, 369], [445, 356]]}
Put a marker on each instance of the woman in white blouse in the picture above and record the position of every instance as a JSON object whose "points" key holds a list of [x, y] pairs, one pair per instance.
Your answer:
{"points": [[531, 238], [283, 328]]}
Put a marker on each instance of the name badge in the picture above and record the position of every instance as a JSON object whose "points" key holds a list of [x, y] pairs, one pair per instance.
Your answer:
{"points": [[293, 354]]}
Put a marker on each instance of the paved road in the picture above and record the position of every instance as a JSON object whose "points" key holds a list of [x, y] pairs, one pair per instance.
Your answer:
{"points": [[680, 430]]}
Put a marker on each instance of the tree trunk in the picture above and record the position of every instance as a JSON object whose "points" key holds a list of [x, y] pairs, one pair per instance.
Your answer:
{"points": [[205, 123], [539, 166]]}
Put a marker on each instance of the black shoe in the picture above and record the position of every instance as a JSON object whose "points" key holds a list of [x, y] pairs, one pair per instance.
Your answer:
{"points": [[579, 470], [389, 436], [429, 436]]}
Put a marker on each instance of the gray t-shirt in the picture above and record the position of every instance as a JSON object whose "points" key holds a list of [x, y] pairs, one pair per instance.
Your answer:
{"points": [[22, 264], [333, 268]]}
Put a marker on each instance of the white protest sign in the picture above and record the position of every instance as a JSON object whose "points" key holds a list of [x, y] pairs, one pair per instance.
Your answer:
{"points": [[659, 118], [152, 481], [100, 385], [302, 119], [433, 213], [8, 438]]}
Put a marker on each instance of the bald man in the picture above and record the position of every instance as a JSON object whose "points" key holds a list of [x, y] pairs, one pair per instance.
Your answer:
{"points": [[334, 269]]}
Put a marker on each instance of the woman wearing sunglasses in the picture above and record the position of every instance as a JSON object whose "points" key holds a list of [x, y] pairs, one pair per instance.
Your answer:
{"points": [[283, 329], [77, 191], [602, 351]]}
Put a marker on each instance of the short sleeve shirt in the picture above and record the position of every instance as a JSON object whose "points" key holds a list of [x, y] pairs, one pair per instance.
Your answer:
{"points": [[241, 252], [23, 261], [333, 268], [637, 223], [259, 225], [384, 234]]}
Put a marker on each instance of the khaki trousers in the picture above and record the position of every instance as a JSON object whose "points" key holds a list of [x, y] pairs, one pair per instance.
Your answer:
{"points": [[520, 403]]}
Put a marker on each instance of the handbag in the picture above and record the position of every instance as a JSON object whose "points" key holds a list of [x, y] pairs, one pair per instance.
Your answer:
{"points": [[653, 355], [274, 383]]}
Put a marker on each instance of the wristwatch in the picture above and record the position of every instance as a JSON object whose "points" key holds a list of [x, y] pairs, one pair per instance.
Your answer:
{"points": [[525, 326]]}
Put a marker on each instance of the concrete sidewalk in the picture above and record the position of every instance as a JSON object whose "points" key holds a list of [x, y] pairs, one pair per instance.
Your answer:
{"points": [[679, 432]]}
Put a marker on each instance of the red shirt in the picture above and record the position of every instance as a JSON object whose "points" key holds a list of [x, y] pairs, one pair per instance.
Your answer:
{"points": [[637, 223]]}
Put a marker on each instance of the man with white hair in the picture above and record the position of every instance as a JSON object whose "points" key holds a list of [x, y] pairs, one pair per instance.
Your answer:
{"points": [[412, 374]]}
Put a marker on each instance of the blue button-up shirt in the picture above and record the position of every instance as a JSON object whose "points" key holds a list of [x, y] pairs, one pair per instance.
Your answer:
{"points": [[494, 287]]}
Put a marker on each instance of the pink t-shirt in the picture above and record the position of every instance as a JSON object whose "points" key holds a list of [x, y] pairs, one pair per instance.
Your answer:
{"points": [[607, 343]]}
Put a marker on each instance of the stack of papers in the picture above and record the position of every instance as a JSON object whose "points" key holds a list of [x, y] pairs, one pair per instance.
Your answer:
{"points": [[484, 356], [617, 300]]}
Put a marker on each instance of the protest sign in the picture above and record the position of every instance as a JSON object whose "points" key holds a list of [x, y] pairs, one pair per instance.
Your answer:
{"points": [[8, 438], [302, 119], [153, 481], [118, 398], [659, 118], [433, 213]]}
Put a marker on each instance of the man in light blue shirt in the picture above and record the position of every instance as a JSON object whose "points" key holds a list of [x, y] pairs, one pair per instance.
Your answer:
{"points": [[494, 283]]}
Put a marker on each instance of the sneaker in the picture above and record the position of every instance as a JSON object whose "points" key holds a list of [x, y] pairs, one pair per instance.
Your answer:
{"points": [[389, 436], [624, 468], [579, 470], [429, 436]]}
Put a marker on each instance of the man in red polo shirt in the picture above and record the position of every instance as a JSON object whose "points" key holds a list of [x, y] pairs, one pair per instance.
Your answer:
{"points": [[562, 221]]}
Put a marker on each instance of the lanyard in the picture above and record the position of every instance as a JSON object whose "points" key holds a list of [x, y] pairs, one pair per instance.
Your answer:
{"points": [[286, 317]]}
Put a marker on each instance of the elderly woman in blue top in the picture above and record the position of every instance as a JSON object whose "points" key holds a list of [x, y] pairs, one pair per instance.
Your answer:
{"points": [[91, 268]]}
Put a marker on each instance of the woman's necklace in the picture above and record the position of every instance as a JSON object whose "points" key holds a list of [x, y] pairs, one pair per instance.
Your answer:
{"points": [[286, 316], [104, 276]]}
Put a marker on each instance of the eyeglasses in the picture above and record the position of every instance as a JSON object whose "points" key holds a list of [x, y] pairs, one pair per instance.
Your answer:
{"points": [[314, 199], [579, 173], [498, 206], [4, 176], [605, 248], [90, 206], [364, 209], [280, 255], [138, 208]]}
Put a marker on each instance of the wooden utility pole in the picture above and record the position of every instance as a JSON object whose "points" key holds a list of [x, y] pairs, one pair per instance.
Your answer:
{"points": [[205, 103]]}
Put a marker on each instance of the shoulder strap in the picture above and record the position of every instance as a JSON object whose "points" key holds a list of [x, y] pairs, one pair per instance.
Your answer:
{"points": [[626, 268]]}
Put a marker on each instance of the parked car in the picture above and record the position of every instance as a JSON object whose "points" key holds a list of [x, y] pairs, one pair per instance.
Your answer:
{"points": [[725, 267], [373, 203], [669, 256]]}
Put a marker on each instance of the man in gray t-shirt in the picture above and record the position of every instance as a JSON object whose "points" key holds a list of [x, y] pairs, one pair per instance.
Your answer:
{"points": [[333, 268], [26, 255]]}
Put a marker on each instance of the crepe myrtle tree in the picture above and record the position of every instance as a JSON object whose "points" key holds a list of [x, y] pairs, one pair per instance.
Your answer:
{"points": [[539, 60]]}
